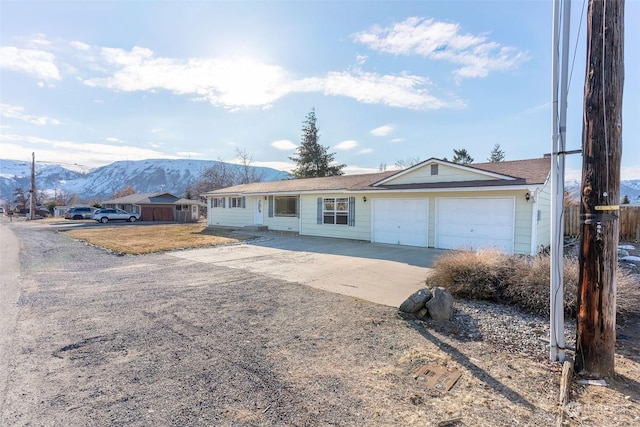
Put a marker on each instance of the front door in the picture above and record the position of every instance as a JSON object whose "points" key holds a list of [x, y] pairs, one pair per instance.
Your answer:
{"points": [[258, 211]]}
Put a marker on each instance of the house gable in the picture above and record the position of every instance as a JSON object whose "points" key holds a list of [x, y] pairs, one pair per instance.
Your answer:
{"points": [[439, 171]]}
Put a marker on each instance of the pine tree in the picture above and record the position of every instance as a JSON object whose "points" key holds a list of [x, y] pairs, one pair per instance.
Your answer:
{"points": [[625, 200], [497, 155], [461, 157], [313, 160]]}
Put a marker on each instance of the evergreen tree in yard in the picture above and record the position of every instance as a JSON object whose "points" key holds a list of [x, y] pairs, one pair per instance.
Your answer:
{"points": [[625, 200], [461, 157], [313, 160], [497, 155]]}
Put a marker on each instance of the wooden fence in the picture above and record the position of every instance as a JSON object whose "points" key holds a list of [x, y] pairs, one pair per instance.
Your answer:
{"points": [[629, 222]]}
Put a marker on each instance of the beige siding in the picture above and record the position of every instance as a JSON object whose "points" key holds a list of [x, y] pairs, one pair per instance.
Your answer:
{"points": [[231, 217], [310, 226], [544, 224], [307, 223], [445, 174], [282, 223]]}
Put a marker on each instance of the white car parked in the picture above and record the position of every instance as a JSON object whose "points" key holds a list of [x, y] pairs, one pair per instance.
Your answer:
{"points": [[106, 215]]}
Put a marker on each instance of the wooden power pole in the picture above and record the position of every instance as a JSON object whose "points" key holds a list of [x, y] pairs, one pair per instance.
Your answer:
{"points": [[600, 197]]}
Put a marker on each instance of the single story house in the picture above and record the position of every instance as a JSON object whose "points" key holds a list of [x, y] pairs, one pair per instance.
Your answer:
{"points": [[435, 203], [158, 207]]}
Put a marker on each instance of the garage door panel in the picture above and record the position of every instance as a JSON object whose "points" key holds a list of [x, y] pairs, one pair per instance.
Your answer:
{"points": [[467, 223], [400, 221]]}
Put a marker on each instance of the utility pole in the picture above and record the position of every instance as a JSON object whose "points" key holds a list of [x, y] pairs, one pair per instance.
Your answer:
{"points": [[559, 90], [600, 196], [32, 199]]}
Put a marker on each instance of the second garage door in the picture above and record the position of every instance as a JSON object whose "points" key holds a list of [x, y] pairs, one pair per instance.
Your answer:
{"points": [[400, 221], [474, 223]]}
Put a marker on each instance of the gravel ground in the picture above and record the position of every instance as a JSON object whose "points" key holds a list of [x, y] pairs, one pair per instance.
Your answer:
{"points": [[108, 340]]}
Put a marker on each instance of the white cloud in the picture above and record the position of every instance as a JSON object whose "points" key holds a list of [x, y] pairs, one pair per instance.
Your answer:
{"points": [[229, 82], [475, 55], [357, 170], [382, 130], [37, 63], [284, 144], [366, 151], [346, 145], [629, 172], [361, 59], [17, 112], [402, 90], [115, 140], [396, 140], [85, 153], [80, 45], [281, 166], [188, 154], [244, 82]]}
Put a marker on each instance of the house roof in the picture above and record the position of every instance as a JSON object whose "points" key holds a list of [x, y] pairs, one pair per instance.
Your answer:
{"points": [[152, 199], [508, 173]]}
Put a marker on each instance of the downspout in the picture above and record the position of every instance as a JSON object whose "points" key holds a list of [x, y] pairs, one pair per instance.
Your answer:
{"points": [[534, 221]]}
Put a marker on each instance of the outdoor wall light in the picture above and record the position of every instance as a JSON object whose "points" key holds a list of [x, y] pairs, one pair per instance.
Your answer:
{"points": [[527, 196], [364, 199]]}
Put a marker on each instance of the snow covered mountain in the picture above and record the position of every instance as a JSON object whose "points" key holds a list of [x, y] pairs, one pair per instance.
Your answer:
{"points": [[630, 188], [146, 176]]}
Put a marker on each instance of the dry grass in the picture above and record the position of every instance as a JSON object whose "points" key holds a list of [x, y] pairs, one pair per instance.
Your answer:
{"points": [[523, 282], [135, 240]]}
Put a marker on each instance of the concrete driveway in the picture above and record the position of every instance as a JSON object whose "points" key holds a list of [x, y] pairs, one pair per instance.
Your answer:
{"points": [[384, 274]]}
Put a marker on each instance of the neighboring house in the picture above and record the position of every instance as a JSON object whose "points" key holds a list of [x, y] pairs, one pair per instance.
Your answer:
{"points": [[158, 207], [432, 204]]}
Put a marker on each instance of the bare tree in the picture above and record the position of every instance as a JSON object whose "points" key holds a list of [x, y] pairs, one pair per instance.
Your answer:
{"points": [[127, 190], [248, 173], [408, 162], [222, 175], [20, 198]]}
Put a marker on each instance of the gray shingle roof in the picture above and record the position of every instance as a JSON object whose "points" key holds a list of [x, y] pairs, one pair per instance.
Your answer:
{"points": [[525, 172]]}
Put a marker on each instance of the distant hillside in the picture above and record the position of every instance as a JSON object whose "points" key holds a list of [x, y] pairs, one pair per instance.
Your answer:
{"points": [[629, 188], [146, 176]]}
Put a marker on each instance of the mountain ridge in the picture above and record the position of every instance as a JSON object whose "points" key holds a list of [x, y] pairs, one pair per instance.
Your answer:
{"points": [[146, 176]]}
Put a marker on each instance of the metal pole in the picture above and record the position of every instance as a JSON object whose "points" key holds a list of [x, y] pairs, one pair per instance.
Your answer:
{"points": [[558, 152]]}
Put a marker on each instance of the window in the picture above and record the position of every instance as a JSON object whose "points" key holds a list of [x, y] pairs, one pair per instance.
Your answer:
{"points": [[286, 206], [434, 169], [335, 211], [217, 202], [236, 202]]}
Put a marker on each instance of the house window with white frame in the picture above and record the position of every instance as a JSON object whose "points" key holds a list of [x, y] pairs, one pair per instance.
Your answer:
{"points": [[236, 202], [286, 205], [217, 202], [335, 210]]}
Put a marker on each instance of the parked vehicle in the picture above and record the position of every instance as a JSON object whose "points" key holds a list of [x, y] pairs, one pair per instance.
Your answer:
{"points": [[106, 215], [79, 212]]}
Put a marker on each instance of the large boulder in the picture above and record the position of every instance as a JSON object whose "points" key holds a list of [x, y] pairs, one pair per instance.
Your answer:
{"points": [[416, 301], [440, 306]]}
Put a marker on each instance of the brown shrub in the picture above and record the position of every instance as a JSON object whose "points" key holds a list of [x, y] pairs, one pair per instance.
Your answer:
{"points": [[473, 275], [523, 282], [628, 298], [530, 286]]}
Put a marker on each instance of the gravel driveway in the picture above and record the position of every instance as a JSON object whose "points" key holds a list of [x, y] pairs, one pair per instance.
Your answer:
{"points": [[107, 340]]}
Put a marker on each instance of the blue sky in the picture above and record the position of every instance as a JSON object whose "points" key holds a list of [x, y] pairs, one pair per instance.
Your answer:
{"points": [[93, 82]]}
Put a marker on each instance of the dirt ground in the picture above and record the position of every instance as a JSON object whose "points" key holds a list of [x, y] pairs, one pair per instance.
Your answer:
{"points": [[106, 340]]}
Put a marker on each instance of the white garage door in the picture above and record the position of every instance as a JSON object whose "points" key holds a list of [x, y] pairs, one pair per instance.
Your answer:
{"points": [[476, 223], [400, 221]]}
